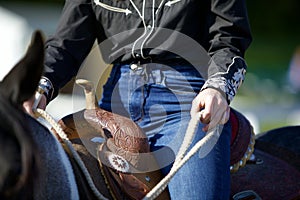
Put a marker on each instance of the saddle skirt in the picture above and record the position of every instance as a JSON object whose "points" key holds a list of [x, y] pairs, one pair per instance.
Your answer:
{"points": [[124, 156], [129, 168], [242, 140]]}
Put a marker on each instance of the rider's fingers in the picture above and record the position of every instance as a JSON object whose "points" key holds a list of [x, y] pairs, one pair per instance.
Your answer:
{"points": [[27, 106], [207, 110], [225, 116], [43, 102], [215, 120], [197, 105], [220, 117], [205, 117]]}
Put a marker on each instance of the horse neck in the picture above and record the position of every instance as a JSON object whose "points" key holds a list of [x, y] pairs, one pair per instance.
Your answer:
{"points": [[22, 157]]}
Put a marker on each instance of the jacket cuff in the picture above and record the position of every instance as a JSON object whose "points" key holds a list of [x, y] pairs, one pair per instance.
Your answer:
{"points": [[230, 81], [47, 87]]}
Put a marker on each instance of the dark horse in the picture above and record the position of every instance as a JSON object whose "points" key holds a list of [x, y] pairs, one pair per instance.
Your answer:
{"points": [[19, 161], [34, 164], [275, 173]]}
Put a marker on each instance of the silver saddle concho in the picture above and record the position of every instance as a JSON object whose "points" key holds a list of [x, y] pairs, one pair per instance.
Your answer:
{"points": [[129, 168]]}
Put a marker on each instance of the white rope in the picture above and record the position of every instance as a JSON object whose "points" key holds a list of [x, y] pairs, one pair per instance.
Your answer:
{"points": [[188, 137], [39, 112], [180, 158]]}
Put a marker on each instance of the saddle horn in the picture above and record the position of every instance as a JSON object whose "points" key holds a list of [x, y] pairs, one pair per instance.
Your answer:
{"points": [[124, 158], [90, 96]]}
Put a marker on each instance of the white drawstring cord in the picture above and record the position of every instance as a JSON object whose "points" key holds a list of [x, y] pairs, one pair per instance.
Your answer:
{"points": [[127, 11], [152, 28], [159, 7], [142, 16], [145, 27]]}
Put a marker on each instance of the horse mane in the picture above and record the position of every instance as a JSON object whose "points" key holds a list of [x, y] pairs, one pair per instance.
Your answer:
{"points": [[19, 160]]}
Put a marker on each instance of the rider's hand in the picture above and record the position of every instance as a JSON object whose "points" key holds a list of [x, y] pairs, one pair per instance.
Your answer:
{"points": [[214, 107], [27, 105]]}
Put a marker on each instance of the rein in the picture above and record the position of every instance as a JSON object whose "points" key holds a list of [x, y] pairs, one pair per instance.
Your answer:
{"points": [[182, 156], [61, 134]]}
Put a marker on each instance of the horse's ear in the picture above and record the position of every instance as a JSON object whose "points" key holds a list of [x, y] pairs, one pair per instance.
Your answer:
{"points": [[21, 82]]}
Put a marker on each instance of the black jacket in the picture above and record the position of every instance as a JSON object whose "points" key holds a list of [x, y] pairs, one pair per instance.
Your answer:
{"points": [[212, 35]]}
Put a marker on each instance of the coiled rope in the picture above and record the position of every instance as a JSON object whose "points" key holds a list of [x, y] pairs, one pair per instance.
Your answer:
{"points": [[62, 135], [180, 160]]}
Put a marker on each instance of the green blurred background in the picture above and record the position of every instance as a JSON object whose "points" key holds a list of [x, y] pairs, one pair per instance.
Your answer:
{"points": [[266, 96]]}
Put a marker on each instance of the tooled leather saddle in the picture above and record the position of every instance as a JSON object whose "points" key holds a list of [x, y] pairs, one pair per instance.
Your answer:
{"points": [[124, 156]]}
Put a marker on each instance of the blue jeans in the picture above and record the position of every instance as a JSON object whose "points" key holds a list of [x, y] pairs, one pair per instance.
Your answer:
{"points": [[158, 98]]}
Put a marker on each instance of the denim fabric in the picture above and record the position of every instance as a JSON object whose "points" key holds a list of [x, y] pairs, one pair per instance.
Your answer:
{"points": [[158, 98]]}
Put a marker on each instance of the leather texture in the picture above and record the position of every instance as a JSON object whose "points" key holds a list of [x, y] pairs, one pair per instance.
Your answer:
{"points": [[129, 168]]}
